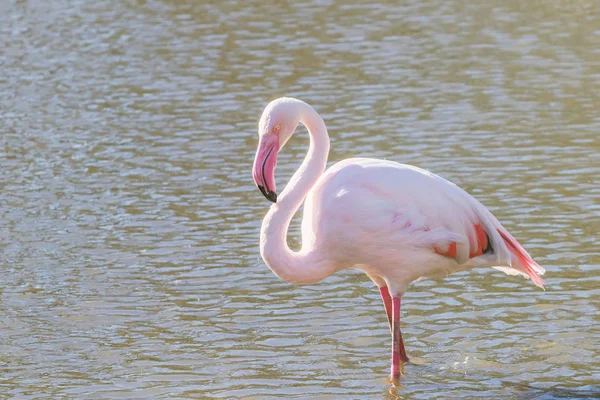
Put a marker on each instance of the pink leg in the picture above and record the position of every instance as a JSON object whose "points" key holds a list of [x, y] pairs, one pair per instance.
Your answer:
{"points": [[398, 352], [387, 303]]}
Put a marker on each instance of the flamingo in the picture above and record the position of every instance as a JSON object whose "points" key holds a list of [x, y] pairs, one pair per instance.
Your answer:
{"points": [[395, 222]]}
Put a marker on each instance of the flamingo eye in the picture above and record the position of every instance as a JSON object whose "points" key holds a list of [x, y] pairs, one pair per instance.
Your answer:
{"points": [[277, 128]]}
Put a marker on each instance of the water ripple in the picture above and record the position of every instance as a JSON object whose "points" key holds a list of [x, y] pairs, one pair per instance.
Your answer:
{"points": [[129, 250]]}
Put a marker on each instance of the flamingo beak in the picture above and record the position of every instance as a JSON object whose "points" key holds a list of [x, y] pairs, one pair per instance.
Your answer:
{"points": [[263, 170]]}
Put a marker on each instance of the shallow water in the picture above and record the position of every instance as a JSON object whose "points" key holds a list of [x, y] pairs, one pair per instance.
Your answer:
{"points": [[130, 264]]}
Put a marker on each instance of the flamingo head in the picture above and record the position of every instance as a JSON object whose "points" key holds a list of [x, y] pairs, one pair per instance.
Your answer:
{"points": [[276, 126]]}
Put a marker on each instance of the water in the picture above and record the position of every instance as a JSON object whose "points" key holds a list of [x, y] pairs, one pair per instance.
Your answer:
{"points": [[129, 234]]}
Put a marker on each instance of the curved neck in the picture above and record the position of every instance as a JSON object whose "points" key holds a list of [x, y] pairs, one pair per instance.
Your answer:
{"points": [[304, 266]]}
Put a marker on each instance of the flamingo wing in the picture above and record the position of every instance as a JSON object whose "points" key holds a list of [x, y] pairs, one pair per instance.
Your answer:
{"points": [[431, 212]]}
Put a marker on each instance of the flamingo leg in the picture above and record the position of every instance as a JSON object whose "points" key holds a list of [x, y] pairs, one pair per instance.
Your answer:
{"points": [[387, 303], [398, 352]]}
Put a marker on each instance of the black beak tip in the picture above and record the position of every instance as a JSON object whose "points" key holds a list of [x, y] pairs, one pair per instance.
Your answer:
{"points": [[271, 196]]}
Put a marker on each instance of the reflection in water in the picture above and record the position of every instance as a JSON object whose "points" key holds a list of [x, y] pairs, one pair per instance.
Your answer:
{"points": [[130, 262]]}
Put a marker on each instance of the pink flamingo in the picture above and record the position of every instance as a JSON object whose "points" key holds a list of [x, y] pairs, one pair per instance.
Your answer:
{"points": [[394, 222]]}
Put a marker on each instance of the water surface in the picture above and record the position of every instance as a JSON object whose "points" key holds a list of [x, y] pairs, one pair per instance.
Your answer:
{"points": [[129, 220]]}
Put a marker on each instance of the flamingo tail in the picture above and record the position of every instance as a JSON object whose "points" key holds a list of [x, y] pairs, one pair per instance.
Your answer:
{"points": [[521, 261]]}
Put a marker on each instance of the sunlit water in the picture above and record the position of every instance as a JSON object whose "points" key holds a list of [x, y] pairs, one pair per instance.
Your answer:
{"points": [[129, 220]]}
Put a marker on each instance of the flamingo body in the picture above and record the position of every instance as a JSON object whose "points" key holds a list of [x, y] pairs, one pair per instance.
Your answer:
{"points": [[395, 222]]}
